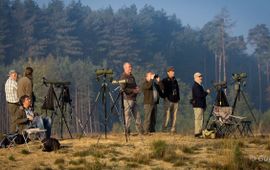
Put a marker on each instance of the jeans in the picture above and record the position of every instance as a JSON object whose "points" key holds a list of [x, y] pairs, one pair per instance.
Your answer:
{"points": [[43, 123]]}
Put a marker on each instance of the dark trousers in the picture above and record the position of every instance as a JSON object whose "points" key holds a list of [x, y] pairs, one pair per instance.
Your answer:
{"points": [[150, 111], [12, 108]]}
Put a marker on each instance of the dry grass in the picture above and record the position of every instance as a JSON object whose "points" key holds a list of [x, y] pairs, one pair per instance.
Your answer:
{"points": [[158, 151]]}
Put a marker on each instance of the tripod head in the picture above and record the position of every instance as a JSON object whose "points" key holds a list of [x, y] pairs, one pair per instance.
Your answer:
{"points": [[220, 85], [238, 80], [104, 75]]}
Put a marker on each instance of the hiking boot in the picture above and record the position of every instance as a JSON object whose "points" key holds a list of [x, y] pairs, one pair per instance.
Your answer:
{"points": [[173, 131]]}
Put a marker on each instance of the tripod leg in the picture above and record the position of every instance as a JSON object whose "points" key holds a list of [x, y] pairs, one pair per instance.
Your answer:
{"points": [[90, 114], [117, 111], [249, 108], [62, 114], [209, 117], [114, 105], [64, 119], [235, 100], [104, 103]]}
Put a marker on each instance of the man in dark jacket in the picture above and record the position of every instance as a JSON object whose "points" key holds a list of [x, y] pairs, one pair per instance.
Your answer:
{"points": [[131, 90], [151, 90], [171, 98], [198, 102]]}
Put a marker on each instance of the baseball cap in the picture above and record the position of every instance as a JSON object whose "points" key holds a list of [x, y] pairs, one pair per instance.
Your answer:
{"points": [[11, 71], [197, 74]]}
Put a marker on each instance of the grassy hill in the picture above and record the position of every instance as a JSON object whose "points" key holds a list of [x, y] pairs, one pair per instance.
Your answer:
{"points": [[156, 151]]}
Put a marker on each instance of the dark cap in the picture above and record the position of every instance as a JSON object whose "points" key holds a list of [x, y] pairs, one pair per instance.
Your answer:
{"points": [[171, 68]]}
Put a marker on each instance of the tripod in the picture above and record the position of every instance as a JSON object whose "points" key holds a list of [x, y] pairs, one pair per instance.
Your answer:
{"points": [[221, 100], [239, 92], [61, 102], [104, 91]]}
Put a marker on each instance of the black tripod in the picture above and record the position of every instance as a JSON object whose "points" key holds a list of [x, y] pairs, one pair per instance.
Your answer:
{"points": [[61, 102], [104, 91], [239, 92]]}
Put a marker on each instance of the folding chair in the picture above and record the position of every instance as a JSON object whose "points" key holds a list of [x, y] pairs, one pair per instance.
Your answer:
{"points": [[226, 124], [27, 133], [9, 140]]}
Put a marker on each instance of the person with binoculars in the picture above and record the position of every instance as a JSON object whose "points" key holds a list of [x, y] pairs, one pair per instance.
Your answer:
{"points": [[151, 91]]}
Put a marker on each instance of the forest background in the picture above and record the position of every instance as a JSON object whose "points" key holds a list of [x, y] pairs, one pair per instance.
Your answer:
{"points": [[69, 42]]}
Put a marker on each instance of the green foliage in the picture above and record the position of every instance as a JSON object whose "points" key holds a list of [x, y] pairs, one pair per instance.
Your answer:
{"points": [[159, 147]]}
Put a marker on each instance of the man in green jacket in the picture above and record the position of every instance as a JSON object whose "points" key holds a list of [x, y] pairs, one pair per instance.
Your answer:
{"points": [[151, 91]]}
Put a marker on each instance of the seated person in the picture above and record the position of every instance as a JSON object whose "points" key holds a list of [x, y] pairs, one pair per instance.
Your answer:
{"points": [[27, 119]]}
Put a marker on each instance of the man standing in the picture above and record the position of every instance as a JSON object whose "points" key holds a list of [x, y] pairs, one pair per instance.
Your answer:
{"points": [[25, 85], [151, 90], [130, 90], [198, 102], [171, 98], [12, 98]]}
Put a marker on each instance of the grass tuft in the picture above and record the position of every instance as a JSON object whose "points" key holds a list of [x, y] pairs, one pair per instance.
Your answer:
{"points": [[96, 165], [25, 152], [77, 162], [159, 147], [11, 158], [59, 161]]}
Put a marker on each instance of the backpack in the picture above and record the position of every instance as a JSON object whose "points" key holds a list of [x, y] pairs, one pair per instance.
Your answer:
{"points": [[50, 144]]}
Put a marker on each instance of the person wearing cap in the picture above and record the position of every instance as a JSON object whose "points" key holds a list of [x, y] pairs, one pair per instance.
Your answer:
{"points": [[171, 96], [12, 98], [198, 102], [25, 85]]}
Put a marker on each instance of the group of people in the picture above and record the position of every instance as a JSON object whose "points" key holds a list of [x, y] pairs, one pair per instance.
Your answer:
{"points": [[153, 88], [20, 103]]}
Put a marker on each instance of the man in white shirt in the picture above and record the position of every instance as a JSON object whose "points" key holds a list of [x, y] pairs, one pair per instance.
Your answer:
{"points": [[12, 98]]}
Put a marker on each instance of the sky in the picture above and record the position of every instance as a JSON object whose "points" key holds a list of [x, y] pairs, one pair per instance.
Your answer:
{"points": [[245, 13]]}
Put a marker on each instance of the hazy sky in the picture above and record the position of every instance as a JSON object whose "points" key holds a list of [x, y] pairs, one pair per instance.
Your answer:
{"points": [[246, 13]]}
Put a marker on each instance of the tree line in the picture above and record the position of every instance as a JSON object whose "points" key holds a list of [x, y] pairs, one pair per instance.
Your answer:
{"points": [[67, 43]]}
